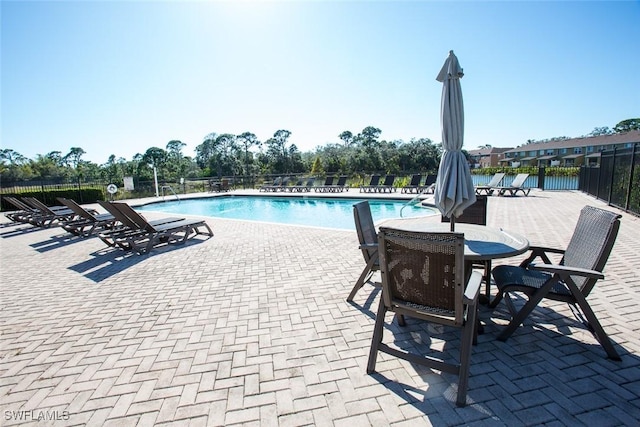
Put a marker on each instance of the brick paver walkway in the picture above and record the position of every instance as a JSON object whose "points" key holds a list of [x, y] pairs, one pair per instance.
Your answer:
{"points": [[251, 327]]}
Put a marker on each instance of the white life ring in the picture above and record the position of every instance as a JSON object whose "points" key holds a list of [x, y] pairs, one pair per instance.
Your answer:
{"points": [[112, 188]]}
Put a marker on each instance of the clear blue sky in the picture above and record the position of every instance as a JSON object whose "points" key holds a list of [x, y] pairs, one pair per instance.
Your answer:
{"points": [[120, 77]]}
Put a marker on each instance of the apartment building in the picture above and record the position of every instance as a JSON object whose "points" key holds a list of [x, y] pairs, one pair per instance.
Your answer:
{"points": [[568, 152]]}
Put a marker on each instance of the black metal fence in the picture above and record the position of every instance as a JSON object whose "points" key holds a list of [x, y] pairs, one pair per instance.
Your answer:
{"points": [[616, 180]]}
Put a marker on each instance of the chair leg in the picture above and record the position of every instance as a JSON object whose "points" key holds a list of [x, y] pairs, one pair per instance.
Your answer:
{"points": [[364, 277], [468, 334], [524, 312], [487, 279], [595, 325], [377, 337]]}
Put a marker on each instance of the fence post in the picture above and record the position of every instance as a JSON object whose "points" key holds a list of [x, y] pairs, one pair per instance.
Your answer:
{"points": [[541, 178], [615, 152], [630, 183]]}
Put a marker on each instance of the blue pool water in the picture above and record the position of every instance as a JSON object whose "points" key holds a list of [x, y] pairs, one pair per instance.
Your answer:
{"points": [[316, 212]]}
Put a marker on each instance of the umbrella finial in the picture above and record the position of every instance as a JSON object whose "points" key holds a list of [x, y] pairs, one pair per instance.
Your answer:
{"points": [[450, 52]]}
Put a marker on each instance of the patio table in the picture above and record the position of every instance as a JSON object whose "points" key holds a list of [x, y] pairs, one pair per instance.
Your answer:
{"points": [[481, 243]]}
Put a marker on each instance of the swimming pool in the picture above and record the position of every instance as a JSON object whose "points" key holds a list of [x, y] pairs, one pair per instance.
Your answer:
{"points": [[309, 211]]}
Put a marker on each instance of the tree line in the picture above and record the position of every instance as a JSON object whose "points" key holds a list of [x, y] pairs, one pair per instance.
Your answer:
{"points": [[227, 154]]}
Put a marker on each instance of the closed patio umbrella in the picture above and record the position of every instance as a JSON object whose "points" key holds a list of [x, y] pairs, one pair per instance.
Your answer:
{"points": [[454, 188]]}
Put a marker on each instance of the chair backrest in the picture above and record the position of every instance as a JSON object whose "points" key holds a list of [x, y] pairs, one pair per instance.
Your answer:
{"points": [[310, 182], [519, 180], [342, 181], [388, 180], [38, 205], [375, 180], [591, 243], [118, 215], [328, 180], [415, 180], [423, 274], [134, 216], [366, 229], [431, 179], [19, 204], [495, 181], [474, 214], [76, 208]]}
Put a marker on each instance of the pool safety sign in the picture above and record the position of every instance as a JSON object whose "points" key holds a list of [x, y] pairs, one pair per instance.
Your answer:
{"points": [[128, 183]]}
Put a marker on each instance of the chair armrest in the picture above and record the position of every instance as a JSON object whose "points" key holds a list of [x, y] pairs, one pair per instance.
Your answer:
{"points": [[541, 252], [472, 291], [368, 246], [564, 271], [540, 249]]}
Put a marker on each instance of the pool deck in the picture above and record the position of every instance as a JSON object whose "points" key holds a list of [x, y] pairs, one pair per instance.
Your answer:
{"points": [[251, 327]]}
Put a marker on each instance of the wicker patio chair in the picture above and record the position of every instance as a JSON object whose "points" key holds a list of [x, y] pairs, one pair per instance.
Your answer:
{"points": [[368, 239], [570, 281], [477, 214], [423, 277]]}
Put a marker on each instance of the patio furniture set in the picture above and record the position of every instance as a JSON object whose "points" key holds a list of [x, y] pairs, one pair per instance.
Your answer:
{"points": [[427, 272]]}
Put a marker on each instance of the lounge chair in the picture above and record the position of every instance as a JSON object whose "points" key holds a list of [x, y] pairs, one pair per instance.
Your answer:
{"points": [[302, 186], [277, 182], [516, 185], [44, 216], [477, 214], [414, 184], [368, 239], [87, 222], [423, 277], [429, 186], [570, 281], [339, 186], [489, 188], [23, 212], [373, 184], [170, 232], [299, 183], [328, 183], [387, 184], [128, 232]]}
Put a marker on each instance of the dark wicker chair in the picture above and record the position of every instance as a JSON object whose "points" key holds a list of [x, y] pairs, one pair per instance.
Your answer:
{"points": [[368, 239], [477, 214], [570, 281], [423, 277]]}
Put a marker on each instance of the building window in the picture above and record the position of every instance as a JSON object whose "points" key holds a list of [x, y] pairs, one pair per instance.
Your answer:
{"points": [[563, 151], [550, 152], [577, 150], [590, 149]]}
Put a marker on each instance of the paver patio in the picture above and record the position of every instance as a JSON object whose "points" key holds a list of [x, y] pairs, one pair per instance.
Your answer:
{"points": [[251, 327]]}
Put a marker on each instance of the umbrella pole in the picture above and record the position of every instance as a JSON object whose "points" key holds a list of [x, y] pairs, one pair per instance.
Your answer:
{"points": [[453, 223]]}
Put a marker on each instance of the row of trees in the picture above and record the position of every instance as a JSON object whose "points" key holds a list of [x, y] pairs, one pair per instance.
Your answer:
{"points": [[232, 155], [244, 155]]}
